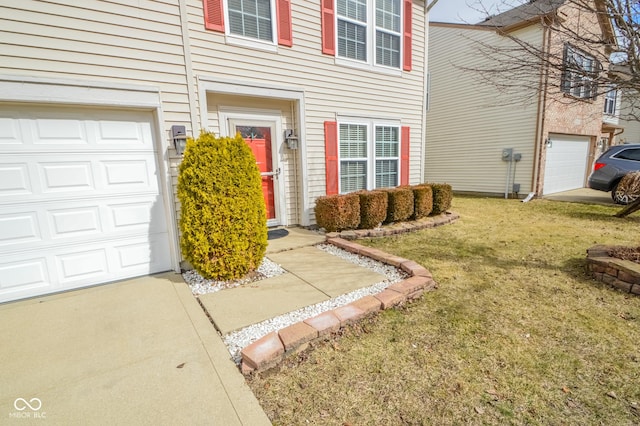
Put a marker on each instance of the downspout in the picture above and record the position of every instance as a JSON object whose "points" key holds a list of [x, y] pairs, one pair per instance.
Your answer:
{"points": [[541, 111], [425, 93]]}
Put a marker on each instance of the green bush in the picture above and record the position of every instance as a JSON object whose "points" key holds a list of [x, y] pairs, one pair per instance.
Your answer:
{"points": [[373, 208], [442, 196], [400, 204], [422, 201], [338, 212], [223, 216]]}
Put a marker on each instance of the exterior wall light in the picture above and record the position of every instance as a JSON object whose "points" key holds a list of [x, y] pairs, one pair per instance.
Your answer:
{"points": [[179, 136]]}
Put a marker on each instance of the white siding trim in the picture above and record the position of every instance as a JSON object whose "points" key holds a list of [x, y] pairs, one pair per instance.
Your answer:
{"points": [[191, 86], [207, 84], [68, 92]]}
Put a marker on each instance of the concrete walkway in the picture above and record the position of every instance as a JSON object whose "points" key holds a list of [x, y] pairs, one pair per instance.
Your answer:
{"points": [[137, 352], [312, 276]]}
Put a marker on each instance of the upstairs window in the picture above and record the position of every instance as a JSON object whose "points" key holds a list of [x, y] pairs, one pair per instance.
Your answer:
{"points": [[251, 18], [611, 102], [369, 32], [580, 73], [265, 22]]}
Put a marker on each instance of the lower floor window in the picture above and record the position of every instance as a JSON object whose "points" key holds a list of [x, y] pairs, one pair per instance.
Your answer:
{"points": [[369, 155]]}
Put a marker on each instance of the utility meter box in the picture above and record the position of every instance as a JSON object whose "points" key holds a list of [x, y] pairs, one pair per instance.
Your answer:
{"points": [[507, 154]]}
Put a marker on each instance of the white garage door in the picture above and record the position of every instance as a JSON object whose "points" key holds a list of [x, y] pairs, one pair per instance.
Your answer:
{"points": [[566, 164], [79, 199]]}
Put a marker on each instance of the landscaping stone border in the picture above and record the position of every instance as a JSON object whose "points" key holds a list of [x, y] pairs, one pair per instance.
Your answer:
{"points": [[397, 228], [621, 274], [271, 349]]}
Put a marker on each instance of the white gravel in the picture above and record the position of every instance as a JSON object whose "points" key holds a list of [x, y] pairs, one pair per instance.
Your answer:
{"points": [[238, 340], [199, 285]]}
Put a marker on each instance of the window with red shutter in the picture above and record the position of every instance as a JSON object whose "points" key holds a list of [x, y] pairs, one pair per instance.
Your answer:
{"points": [[365, 154], [251, 19], [331, 156], [405, 143], [375, 33]]}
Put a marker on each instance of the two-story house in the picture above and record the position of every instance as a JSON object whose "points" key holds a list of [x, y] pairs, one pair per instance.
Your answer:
{"points": [[95, 96], [538, 136]]}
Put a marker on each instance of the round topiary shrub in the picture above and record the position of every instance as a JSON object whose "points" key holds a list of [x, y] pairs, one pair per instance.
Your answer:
{"points": [[223, 220]]}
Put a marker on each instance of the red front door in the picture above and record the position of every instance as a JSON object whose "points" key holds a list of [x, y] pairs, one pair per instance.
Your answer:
{"points": [[259, 139]]}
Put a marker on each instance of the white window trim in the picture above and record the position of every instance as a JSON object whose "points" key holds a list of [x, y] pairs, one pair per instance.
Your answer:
{"points": [[371, 28], [573, 75], [239, 40], [371, 158]]}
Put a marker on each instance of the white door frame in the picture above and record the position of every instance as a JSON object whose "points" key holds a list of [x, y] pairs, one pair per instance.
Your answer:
{"points": [[272, 119]]}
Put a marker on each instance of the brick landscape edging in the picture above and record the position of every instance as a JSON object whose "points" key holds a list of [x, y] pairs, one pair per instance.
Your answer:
{"points": [[621, 274], [270, 350], [398, 228]]}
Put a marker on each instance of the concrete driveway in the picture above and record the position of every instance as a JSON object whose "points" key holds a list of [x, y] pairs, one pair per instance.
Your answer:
{"points": [[583, 195], [136, 352]]}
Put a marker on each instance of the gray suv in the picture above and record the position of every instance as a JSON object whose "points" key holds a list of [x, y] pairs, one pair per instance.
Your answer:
{"points": [[614, 163]]}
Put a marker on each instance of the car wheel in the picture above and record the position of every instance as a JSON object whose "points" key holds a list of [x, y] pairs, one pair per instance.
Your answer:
{"points": [[621, 195]]}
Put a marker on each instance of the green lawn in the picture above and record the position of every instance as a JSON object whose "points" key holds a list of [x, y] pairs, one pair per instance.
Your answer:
{"points": [[517, 332]]}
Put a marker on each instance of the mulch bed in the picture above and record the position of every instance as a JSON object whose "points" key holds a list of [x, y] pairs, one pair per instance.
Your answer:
{"points": [[626, 253]]}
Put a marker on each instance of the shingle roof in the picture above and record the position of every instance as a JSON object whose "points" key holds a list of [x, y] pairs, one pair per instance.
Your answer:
{"points": [[522, 13]]}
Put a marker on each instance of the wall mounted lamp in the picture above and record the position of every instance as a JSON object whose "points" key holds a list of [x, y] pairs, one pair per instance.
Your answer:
{"points": [[291, 139], [179, 136]]}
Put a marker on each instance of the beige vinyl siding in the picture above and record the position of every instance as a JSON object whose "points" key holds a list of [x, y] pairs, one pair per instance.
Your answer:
{"points": [[468, 123], [631, 132], [99, 41], [329, 89]]}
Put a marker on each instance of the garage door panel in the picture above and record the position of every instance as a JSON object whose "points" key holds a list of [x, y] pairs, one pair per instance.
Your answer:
{"points": [[14, 179], [131, 172], [72, 222], [24, 275], [130, 134], [85, 265], [9, 131], [66, 176], [58, 132], [19, 227]]}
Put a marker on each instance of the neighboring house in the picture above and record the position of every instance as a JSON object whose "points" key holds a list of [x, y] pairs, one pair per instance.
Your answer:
{"points": [[631, 132], [557, 125], [331, 93]]}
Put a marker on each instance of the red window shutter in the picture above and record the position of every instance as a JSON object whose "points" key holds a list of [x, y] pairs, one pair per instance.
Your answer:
{"points": [[214, 15], [331, 156], [405, 141], [285, 31], [408, 10], [328, 27]]}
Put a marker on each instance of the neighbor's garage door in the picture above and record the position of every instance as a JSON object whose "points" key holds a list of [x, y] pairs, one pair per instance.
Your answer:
{"points": [[79, 199], [566, 164]]}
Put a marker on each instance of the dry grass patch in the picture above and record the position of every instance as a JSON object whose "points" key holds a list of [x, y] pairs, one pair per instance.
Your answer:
{"points": [[517, 333]]}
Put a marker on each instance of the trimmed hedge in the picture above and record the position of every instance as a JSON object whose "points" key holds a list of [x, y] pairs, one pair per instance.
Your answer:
{"points": [[442, 196], [223, 220], [422, 201], [400, 206], [338, 212], [373, 208]]}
